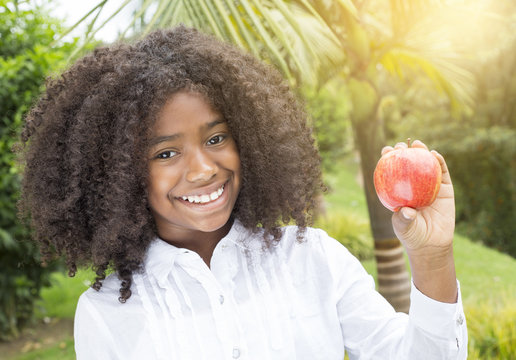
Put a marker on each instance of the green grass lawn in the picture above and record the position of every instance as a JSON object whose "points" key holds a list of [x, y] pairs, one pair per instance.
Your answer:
{"points": [[61, 351], [60, 299], [487, 277]]}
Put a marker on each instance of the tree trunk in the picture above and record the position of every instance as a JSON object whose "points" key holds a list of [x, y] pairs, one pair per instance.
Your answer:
{"points": [[393, 277]]}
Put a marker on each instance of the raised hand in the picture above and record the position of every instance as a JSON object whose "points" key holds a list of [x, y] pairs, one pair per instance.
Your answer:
{"points": [[431, 226], [427, 235]]}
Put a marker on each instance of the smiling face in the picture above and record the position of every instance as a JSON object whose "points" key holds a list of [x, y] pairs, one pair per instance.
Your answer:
{"points": [[194, 171]]}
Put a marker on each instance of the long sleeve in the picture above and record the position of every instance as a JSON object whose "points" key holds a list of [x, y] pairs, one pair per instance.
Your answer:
{"points": [[371, 329], [307, 299]]}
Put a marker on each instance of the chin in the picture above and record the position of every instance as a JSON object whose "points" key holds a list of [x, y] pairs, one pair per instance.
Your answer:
{"points": [[213, 227]]}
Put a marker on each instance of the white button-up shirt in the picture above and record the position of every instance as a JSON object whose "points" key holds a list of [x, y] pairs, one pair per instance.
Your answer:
{"points": [[296, 300]]}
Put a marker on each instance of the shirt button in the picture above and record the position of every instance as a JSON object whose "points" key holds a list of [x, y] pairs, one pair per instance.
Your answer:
{"points": [[460, 320], [223, 247], [236, 353], [221, 299]]}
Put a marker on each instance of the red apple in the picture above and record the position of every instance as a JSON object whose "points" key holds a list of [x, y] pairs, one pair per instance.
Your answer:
{"points": [[407, 177]]}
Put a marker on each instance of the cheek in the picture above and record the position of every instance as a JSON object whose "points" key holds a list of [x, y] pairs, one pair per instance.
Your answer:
{"points": [[161, 181], [234, 162]]}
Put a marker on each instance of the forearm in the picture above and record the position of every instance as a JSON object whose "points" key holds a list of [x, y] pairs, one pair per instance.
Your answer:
{"points": [[433, 273]]}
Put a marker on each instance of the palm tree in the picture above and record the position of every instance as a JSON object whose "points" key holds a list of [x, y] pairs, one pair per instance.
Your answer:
{"points": [[310, 41]]}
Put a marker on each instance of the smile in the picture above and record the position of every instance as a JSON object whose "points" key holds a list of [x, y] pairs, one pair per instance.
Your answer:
{"points": [[205, 198]]}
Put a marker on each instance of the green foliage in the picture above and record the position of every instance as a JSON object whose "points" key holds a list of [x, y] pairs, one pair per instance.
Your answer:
{"points": [[491, 330], [329, 108], [345, 192], [479, 146], [484, 176], [60, 299], [25, 61], [350, 230], [482, 271], [345, 211]]}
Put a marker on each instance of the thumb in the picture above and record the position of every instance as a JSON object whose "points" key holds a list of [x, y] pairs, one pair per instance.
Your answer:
{"points": [[402, 219], [408, 214], [408, 228]]}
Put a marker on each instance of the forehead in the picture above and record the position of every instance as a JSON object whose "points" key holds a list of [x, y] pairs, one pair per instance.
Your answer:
{"points": [[185, 111]]}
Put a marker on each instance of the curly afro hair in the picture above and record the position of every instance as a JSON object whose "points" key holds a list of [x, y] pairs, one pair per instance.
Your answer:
{"points": [[85, 147]]}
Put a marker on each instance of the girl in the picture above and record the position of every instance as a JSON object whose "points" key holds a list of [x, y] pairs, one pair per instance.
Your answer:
{"points": [[174, 162]]}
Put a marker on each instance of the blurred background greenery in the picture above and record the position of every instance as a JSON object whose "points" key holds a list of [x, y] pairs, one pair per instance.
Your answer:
{"points": [[370, 73]]}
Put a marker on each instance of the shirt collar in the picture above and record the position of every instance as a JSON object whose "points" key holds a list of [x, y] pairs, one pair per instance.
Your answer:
{"points": [[161, 256]]}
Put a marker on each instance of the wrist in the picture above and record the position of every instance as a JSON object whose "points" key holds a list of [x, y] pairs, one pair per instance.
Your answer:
{"points": [[433, 273], [431, 257]]}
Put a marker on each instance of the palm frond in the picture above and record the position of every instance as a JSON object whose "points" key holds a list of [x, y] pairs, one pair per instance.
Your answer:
{"points": [[444, 44], [329, 58], [457, 83], [97, 8], [348, 6], [293, 37], [404, 13], [161, 8]]}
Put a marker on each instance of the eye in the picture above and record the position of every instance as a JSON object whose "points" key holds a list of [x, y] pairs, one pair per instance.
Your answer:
{"points": [[166, 154], [216, 139]]}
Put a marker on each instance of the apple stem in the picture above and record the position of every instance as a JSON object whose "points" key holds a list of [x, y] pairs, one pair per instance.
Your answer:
{"points": [[408, 142]]}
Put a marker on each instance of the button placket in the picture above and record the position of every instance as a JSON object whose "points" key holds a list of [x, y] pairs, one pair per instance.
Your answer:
{"points": [[459, 322], [223, 269]]}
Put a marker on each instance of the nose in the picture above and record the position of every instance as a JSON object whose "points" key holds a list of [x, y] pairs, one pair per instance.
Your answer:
{"points": [[201, 167]]}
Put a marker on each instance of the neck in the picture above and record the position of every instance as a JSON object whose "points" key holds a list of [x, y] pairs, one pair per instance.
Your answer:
{"points": [[203, 243]]}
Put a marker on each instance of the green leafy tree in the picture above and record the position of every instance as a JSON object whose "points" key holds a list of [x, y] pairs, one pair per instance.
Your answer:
{"points": [[25, 60], [312, 41], [479, 146], [329, 109]]}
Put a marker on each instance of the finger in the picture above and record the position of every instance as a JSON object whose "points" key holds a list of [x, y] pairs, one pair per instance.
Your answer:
{"points": [[419, 144], [446, 178], [403, 222], [401, 145], [386, 149], [408, 214]]}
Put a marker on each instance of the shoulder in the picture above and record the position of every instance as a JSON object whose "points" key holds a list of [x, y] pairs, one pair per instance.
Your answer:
{"points": [[105, 328], [298, 247], [317, 250], [105, 300], [308, 241], [108, 291]]}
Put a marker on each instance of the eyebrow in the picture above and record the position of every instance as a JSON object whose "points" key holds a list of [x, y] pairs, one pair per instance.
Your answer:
{"points": [[160, 139]]}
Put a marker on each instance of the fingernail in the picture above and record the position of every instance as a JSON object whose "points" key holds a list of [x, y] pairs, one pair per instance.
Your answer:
{"points": [[408, 213]]}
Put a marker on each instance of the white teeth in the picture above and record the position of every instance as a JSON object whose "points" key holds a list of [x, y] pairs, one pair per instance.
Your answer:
{"points": [[202, 199]]}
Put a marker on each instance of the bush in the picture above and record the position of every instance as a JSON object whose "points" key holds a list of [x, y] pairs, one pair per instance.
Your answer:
{"points": [[351, 231], [484, 177], [491, 330], [329, 109], [25, 60]]}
